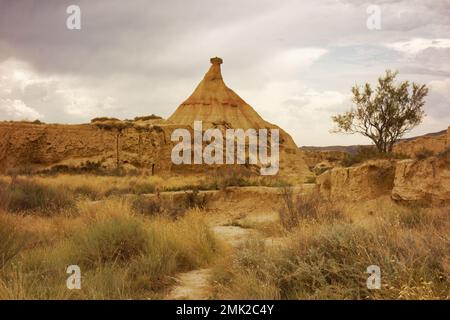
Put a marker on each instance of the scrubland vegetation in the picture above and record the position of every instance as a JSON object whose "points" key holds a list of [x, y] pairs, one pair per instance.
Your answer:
{"points": [[130, 243], [325, 255], [365, 153], [121, 254]]}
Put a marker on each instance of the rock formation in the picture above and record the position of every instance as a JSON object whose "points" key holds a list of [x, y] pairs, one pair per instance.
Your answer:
{"points": [[432, 143], [143, 143], [366, 181], [217, 106], [425, 181], [42, 146]]}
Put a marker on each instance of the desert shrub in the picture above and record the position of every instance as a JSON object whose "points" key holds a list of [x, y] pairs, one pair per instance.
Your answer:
{"points": [[193, 240], [423, 154], [444, 154], [88, 167], [142, 188], [329, 261], [248, 275], [137, 188], [231, 176], [193, 199], [28, 195], [415, 217], [312, 179], [157, 206], [21, 170], [122, 256], [305, 207], [12, 240], [114, 239], [160, 206], [327, 184], [87, 191], [288, 214], [241, 176], [365, 153], [150, 117], [103, 119]]}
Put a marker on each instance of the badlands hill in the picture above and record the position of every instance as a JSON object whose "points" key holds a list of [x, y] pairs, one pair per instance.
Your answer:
{"points": [[434, 141], [143, 143]]}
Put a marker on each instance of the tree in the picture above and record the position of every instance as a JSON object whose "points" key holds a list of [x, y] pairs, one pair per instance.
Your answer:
{"points": [[384, 114]]}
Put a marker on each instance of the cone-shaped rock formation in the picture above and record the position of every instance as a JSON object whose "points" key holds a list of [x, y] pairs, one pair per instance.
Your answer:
{"points": [[217, 106], [214, 103]]}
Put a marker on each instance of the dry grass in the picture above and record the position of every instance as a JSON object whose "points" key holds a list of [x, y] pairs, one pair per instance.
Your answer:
{"points": [[96, 187], [122, 255], [130, 247], [309, 206], [25, 195], [328, 259]]}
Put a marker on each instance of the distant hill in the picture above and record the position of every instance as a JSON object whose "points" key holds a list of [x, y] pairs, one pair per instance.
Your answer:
{"points": [[352, 149]]}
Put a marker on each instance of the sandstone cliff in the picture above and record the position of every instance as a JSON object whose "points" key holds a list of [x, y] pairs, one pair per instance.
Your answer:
{"points": [[425, 181], [42, 146], [433, 143], [367, 181], [143, 143]]}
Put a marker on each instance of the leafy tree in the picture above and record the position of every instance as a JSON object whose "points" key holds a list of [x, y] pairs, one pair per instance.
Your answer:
{"points": [[384, 114]]}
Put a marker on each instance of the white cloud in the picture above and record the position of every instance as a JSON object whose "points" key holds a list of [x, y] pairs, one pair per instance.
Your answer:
{"points": [[26, 94], [17, 110], [288, 63], [416, 45]]}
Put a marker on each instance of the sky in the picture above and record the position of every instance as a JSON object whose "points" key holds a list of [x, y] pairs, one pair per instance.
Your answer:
{"points": [[293, 61]]}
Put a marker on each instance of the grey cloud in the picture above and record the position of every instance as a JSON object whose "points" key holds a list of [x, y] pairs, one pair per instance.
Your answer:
{"points": [[142, 57]]}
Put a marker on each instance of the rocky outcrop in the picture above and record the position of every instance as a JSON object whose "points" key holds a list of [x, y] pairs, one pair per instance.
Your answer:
{"points": [[323, 166], [433, 144], [42, 146], [367, 181], [425, 181], [218, 106], [333, 157], [146, 142]]}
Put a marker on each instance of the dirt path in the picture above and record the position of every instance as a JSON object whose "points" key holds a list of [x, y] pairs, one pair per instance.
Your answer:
{"points": [[192, 285], [195, 284], [233, 235], [234, 226]]}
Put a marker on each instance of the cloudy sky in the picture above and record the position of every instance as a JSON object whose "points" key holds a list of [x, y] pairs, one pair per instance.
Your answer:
{"points": [[293, 61]]}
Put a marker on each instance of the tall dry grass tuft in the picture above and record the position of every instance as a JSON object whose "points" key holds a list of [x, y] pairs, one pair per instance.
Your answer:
{"points": [[308, 206], [27, 195], [114, 240], [328, 260], [122, 255], [12, 240], [171, 208]]}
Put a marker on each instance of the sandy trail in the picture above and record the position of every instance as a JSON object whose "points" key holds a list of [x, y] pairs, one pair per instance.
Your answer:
{"points": [[195, 284], [192, 285]]}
